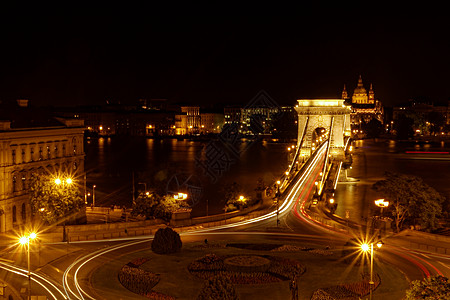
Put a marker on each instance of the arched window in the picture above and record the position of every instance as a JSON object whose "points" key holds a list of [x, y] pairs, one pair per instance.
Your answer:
{"points": [[24, 181], [24, 212], [14, 183], [14, 214]]}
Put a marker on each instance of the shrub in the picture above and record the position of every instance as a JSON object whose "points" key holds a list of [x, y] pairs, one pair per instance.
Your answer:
{"points": [[217, 288], [166, 241]]}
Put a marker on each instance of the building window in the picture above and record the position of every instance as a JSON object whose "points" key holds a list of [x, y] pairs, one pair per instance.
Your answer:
{"points": [[23, 155], [64, 149], [49, 155], [13, 152], [14, 181], [40, 154], [32, 153], [24, 181], [75, 165], [24, 212], [56, 151], [14, 214]]}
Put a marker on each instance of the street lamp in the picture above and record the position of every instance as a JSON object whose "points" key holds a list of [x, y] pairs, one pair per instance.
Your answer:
{"points": [[381, 203], [365, 247], [93, 196], [60, 182], [278, 198], [26, 240]]}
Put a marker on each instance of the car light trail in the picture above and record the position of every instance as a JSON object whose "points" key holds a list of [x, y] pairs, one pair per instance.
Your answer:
{"points": [[285, 206], [84, 260], [42, 281]]}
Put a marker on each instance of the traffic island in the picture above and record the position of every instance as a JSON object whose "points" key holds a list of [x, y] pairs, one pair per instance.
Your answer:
{"points": [[182, 275]]}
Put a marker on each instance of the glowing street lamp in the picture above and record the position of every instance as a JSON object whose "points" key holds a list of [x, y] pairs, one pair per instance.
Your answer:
{"points": [[25, 240], [365, 247], [93, 196]]}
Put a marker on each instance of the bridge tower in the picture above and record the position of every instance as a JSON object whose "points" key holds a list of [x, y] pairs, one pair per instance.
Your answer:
{"points": [[315, 115]]}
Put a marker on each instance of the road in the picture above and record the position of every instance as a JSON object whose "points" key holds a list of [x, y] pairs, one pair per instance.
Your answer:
{"points": [[66, 276]]}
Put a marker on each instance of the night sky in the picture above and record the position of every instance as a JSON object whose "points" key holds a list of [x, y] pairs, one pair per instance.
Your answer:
{"points": [[204, 55]]}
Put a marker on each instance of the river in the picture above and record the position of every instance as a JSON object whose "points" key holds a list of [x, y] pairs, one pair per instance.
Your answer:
{"points": [[371, 159], [111, 163]]}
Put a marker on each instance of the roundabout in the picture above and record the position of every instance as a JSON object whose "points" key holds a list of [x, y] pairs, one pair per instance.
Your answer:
{"points": [[255, 274]]}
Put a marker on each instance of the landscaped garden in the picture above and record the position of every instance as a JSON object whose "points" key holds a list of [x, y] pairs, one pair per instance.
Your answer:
{"points": [[254, 270]]}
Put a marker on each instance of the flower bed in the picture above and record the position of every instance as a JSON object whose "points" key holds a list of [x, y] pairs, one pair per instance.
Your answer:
{"points": [[246, 269], [354, 290], [291, 248], [140, 281], [137, 280]]}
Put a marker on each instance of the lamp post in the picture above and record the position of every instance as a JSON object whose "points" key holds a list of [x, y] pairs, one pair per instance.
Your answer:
{"points": [[278, 198], [366, 247], [60, 182], [26, 240], [381, 203], [145, 185], [93, 196]]}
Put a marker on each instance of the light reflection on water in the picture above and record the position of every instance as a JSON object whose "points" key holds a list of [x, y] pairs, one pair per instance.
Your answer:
{"points": [[372, 159], [110, 166]]}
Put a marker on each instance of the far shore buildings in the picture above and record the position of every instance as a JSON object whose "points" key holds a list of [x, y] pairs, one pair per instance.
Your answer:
{"points": [[365, 106], [31, 141]]}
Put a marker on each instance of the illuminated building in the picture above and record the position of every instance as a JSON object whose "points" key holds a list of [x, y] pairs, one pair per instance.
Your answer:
{"points": [[364, 105], [32, 141]]}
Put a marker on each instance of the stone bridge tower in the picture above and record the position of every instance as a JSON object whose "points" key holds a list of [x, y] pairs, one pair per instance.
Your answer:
{"points": [[319, 115]]}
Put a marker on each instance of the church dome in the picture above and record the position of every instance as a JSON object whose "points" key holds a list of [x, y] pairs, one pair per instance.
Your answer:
{"points": [[360, 93]]}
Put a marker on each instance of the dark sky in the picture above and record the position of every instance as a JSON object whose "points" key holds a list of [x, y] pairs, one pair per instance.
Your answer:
{"points": [[204, 54]]}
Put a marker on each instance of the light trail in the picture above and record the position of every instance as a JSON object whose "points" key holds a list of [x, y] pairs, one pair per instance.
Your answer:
{"points": [[285, 206], [84, 260], [39, 279]]}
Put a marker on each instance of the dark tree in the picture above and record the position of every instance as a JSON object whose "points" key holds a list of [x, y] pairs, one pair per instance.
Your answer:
{"points": [[166, 241], [151, 205], [436, 121], [411, 200], [404, 127], [434, 287], [373, 128]]}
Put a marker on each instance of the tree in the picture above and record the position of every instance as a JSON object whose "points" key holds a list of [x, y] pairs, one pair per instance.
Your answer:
{"points": [[152, 205], [404, 127], [166, 241], [54, 198], [373, 128], [145, 205], [436, 121], [411, 200], [434, 287]]}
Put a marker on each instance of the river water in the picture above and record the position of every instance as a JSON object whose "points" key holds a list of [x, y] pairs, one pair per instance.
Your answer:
{"points": [[371, 159], [111, 163]]}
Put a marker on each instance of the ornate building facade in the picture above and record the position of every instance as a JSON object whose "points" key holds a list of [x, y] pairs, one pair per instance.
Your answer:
{"points": [[34, 143], [364, 105]]}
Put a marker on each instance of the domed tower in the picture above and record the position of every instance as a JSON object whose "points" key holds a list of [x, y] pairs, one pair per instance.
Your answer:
{"points": [[371, 95], [344, 93], [360, 93]]}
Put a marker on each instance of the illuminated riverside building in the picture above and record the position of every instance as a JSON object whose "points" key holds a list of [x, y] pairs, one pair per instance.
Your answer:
{"points": [[32, 141], [364, 105]]}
